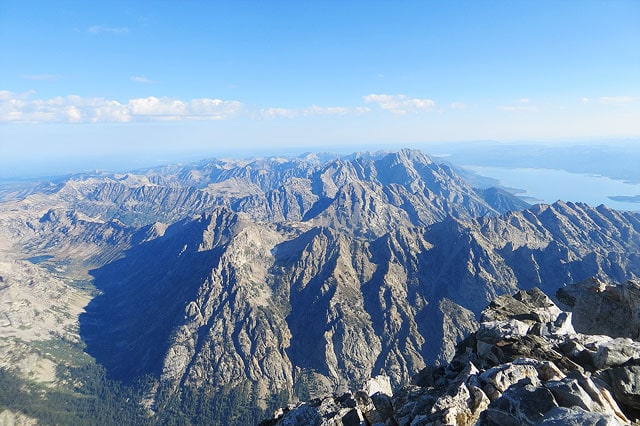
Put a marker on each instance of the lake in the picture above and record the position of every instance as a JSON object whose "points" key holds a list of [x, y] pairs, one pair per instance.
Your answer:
{"points": [[549, 185]]}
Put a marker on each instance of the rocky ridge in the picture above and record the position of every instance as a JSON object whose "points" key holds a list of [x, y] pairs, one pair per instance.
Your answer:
{"points": [[525, 365], [363, 193]]}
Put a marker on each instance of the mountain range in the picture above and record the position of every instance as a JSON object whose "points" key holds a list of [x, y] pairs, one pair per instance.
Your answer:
{"points": [[287, 278]]}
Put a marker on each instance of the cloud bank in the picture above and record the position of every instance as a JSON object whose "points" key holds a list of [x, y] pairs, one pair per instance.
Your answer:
{"points": [[22, 108], [77, 109], [400, 104], [313, 110]]}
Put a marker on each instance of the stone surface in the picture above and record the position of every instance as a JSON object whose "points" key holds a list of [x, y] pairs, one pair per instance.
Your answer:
{"points": [[616, 352], [568, 393], [562, 416], [601, 308], [378, 385], [625, 384], [504, 376], [523, 404], [517, 378]]}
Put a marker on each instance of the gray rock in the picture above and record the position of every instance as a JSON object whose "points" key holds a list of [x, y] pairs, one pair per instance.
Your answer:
{"points": [[616, 352], [353, 417], [494, 331], [600, 308], [370, 411], [504, 376], [568, 393], [602, 398], [522, 404], [384, 406], [625, 384], [576, 416], [411, 402], [378, 384], [461, 406]]}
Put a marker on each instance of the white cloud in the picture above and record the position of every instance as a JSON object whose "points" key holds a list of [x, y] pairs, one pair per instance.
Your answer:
{"points": [[400, 104], [313, 110], [275, 113], [111, 111], [102, 29], [617, 100], [458, 105], [585, 100], [142, 79], [6, 95], [24, 108], [76, 109], [318, 110], [156, 107], [73, 113], [522, 104]]}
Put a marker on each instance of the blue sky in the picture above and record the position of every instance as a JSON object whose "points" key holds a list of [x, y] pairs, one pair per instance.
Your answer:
{"points": [[160, 80]]}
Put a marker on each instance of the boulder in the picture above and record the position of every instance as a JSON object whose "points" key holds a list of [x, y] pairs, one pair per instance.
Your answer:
{"points": [[379, 384], [521, 404], [625, 384], [600, 308], [603, 401], [504, 376], [616, 352], [576, 416], [461, 406], [568, 393]]}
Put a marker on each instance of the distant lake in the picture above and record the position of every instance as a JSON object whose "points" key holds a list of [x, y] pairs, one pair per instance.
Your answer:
{"points": [[550, 185]]}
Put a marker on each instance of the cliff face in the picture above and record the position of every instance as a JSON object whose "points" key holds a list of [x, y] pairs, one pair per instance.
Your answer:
{"points": [[525, 365], [304, 276]]}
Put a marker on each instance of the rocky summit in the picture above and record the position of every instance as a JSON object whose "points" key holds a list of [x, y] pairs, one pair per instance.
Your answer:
{"points": [[525, 365]]}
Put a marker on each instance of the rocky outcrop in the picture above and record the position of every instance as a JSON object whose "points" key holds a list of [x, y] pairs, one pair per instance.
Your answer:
{"points": [[599, 308], [525, 365]]}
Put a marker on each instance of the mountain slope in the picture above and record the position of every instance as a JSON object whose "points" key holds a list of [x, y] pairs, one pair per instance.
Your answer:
{"points": [[283, 308]]}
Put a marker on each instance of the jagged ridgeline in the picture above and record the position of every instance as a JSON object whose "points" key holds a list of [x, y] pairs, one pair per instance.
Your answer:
{"points": [[235, 286]]}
